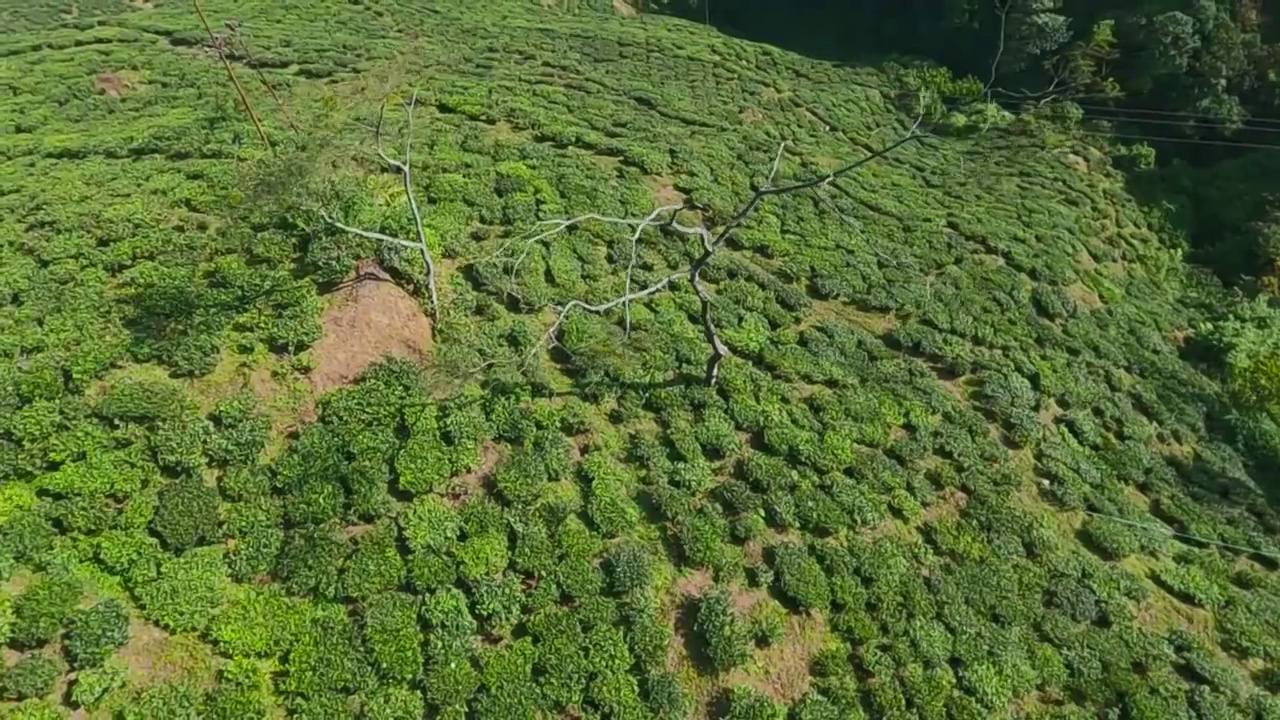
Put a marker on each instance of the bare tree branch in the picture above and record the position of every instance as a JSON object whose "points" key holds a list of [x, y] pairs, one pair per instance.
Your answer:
{"points": [[712, 242], [1002, 8], [404, 169]]}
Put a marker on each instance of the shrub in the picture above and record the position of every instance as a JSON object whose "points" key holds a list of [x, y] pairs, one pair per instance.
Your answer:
{"points": [[746, 703], [801, 578], [630, 567], [311, 560], [188, 593], [94, 633], [243, 691], [375, 565], [92, 685], [429, 524], [31, 677], [666, 698], [327, 656], [186, 514], [392, 635], [258, 622], [726, 640], [393, 702], [179, 701], [239, 431], [767, 622], [41, 609]]}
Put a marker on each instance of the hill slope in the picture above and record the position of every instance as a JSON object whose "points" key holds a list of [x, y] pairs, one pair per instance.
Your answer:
{"points": [[939, 477]]}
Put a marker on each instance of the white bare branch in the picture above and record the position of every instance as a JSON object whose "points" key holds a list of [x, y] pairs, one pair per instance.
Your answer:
{"points": [[711, 241], [404, 169]]}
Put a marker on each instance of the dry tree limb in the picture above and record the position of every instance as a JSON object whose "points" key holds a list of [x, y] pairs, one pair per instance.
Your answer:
{"points": [[406, 176], [712, 242], [219, 46]]}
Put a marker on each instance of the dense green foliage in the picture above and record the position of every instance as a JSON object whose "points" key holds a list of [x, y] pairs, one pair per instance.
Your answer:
{"points": [[986, 445]]}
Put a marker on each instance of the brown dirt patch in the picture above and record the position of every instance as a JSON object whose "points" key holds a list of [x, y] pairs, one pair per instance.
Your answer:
{"points": [[153, 656], [781, 671], [369, 317], [1085, 261], [623, 8], [1075, 162], [472, 484], [693, 584], [115, 84], [745, 599], [664, 193], [950, 502], [1084, 296]]}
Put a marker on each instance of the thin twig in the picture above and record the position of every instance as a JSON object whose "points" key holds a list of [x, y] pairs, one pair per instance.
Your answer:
{"points": [[1002, 8]]}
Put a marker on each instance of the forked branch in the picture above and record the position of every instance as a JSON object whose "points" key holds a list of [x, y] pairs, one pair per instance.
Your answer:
{"points": [[405, 170], [713, 241]]}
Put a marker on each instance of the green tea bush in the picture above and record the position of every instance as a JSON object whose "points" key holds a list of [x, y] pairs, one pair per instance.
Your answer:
{"points": [[727, 639], [95, 632], [42, 610], [32, 676], [186, 514]]}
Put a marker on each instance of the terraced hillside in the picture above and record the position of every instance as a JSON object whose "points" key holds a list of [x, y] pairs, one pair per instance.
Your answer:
{"points": [[956, 465]]}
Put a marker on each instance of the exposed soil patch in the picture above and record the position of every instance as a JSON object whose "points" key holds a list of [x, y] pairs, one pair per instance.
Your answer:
{"points": [[781, 671], [623, 8], [369, 317], [664, 193], [1085, 261], [693, 584], [152, 656], [1083, 296], [950, 502], [115, 84], [472, 484]]}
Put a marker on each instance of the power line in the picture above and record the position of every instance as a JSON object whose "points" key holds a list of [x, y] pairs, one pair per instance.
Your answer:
{"points": [[1189, 536], [1183, 141], [1225, 127], [1111, 108]]}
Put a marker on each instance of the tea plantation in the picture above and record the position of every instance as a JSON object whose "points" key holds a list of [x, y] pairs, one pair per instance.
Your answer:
{"points": [[963, 459]]}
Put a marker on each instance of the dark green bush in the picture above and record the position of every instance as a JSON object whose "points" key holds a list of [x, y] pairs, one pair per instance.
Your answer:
{"points": [[186, 514], [31, 677], [95, 632], [727, 640], [42, 609]]}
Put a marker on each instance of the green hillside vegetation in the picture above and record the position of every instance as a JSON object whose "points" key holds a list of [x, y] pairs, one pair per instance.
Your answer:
{"points": [[983, 445]]}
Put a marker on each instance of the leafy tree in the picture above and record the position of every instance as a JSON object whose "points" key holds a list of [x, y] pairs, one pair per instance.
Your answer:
{"points": [[32, 676], [727, 640], [392, 635], [95, 632], [186, 514]]}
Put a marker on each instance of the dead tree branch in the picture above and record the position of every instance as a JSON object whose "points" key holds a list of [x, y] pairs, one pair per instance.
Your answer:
{"points": [[219, 46], [712, 242], [404, 168]]}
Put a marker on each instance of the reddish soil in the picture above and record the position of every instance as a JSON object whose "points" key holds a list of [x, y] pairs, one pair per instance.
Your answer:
{"points": [[368, 317]]}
